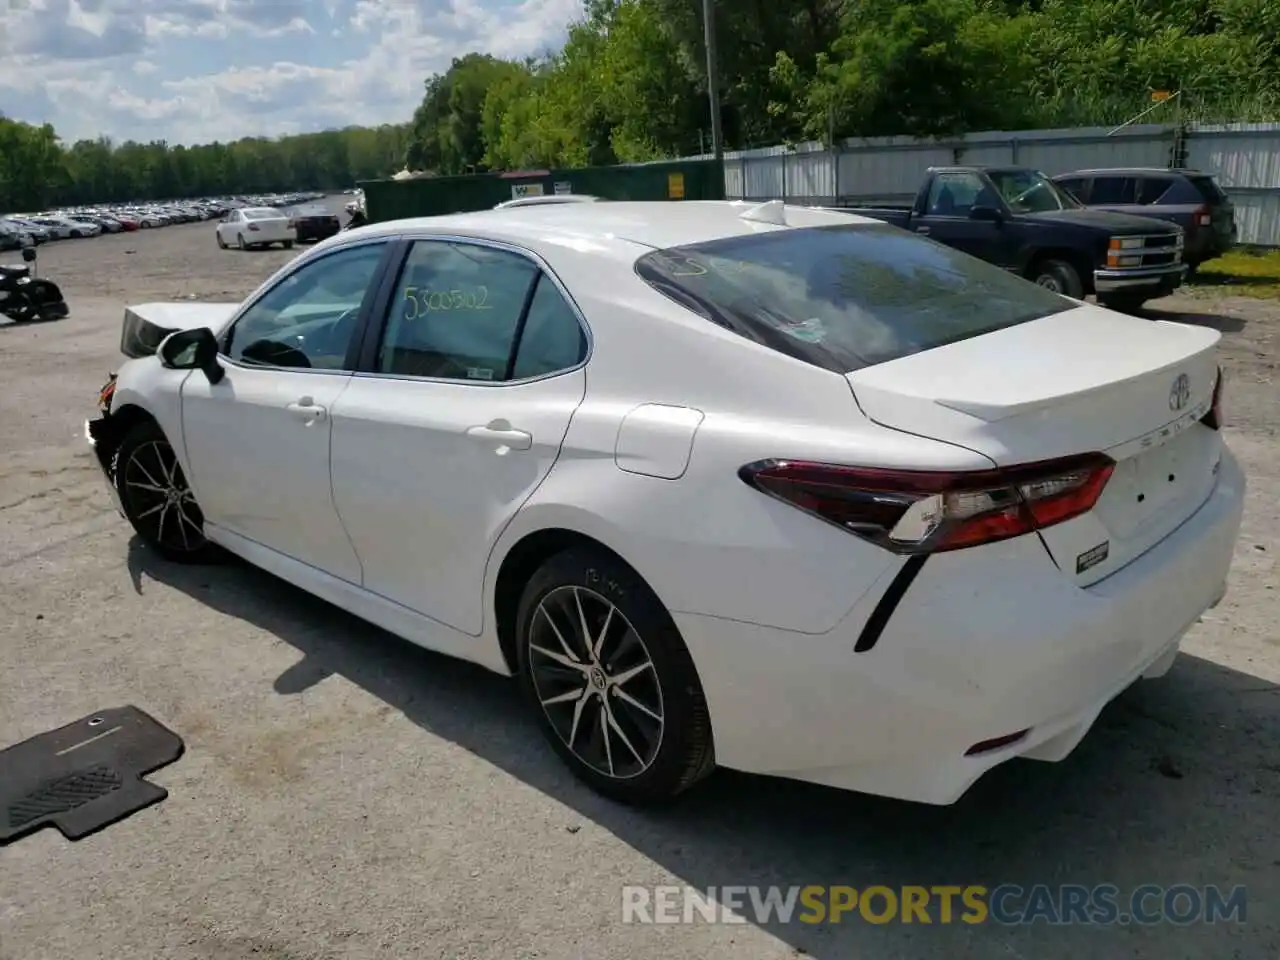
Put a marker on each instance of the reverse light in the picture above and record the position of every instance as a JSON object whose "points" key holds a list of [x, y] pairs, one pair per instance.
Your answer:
{"points": [[1203, 217], [913, 512]]}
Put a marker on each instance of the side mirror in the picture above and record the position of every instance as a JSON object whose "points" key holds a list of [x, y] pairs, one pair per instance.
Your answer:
{"points": [[987, 213], [192, 350], [29, 254]]}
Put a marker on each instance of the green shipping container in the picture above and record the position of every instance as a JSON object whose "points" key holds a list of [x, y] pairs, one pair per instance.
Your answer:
{"points": [[435, 196]]}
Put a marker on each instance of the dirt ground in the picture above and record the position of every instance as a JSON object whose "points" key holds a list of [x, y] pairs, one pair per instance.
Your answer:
{"points": [[344, 795]]}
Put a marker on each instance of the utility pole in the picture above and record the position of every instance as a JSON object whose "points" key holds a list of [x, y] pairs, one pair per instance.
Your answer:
{"points": [[713, 77]]}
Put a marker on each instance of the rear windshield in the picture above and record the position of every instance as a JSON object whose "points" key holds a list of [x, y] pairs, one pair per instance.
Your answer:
{"points": [[845, 297], [1208, 188], [261, 213]]}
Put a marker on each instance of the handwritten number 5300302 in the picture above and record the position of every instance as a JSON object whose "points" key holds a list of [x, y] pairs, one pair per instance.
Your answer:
{"points": [[418, 301]]}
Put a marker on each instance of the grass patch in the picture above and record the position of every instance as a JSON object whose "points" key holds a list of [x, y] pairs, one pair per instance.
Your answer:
{"points": [[1246, 273]]}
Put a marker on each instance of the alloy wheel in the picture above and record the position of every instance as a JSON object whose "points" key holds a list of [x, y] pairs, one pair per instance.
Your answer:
{"points": [[596, 682], [1049, 282], [160, 500]]}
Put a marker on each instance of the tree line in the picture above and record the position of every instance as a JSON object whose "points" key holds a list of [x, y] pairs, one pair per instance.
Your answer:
{"points": [[38, 171], [630, 84]]}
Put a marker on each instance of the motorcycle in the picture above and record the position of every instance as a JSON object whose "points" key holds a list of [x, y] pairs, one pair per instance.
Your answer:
{"points": [[25, 298], [357, 217]]}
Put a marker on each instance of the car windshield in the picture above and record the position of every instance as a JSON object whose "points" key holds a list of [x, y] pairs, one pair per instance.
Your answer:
{"points": [[845, 297], [1030, 191]]}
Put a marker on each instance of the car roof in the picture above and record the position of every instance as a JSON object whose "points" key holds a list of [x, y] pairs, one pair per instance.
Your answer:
{"points": [[618, 226], [1129, 171]]}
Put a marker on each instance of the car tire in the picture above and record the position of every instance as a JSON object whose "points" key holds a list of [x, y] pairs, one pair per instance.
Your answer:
{"points": [[240, 242], [156, 498], [639, 685], [222, 244], [1058, 276], [288, 244]]}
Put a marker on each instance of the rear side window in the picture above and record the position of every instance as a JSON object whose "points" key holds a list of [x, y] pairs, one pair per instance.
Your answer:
{"points": [[1114, 190], [846, 297], [1208, 188], [1152, 189]]}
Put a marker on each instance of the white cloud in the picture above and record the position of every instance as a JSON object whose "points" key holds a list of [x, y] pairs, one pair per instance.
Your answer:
{"points": [[191, 71]]}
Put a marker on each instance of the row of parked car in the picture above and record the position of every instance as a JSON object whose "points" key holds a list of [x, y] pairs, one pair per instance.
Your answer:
{"points": [[19, 230]]}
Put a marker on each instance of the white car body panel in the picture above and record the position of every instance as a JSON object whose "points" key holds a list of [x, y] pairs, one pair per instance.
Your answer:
{"points": [[496, 446], [284, 500], [407, 522]]}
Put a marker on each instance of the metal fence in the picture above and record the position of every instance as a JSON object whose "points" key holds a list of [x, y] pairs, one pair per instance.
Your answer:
{"points": [[1244, 157]]}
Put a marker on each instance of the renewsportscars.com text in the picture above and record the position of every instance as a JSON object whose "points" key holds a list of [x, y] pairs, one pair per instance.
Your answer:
{"points": [[1009, 904]]}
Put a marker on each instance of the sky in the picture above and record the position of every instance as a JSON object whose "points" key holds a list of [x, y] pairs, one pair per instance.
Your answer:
{"points": [[195, 71]]}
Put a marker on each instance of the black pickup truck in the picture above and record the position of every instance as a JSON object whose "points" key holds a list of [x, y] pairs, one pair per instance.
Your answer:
{"points": [[1019, 219]]}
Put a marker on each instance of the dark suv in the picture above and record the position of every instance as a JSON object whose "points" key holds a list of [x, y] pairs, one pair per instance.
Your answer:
{"points": [[1189, 198]]}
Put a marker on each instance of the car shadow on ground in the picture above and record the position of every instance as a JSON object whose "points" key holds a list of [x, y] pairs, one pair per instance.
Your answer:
{"points": [[1220, 322], [1174, 785]]}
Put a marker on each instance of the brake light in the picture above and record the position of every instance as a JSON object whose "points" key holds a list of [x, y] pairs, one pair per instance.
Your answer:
{"points": [[253, 226], [1203, 217], [1213, 419], [912, 512]]}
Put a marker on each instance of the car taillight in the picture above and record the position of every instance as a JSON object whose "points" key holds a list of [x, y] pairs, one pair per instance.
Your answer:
{"points": [[912, 512], [1213, 419], [1203, 217]]}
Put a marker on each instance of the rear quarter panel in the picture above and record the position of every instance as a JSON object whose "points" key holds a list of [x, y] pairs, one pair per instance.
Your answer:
{"points": [[706, 542]]}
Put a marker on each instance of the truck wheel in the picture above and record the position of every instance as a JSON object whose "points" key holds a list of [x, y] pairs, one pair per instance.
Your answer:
{"points": [[1060, 277]]}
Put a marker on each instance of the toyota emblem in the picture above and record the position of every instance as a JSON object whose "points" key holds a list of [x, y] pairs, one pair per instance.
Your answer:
{"points": [[1180, 393]]}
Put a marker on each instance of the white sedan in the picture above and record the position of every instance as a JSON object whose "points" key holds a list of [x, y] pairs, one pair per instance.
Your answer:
{"points": [[253, 228], [771, 488]]}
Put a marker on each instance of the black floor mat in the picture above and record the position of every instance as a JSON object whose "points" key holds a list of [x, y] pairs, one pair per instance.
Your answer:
{"points": [[84, 776]]}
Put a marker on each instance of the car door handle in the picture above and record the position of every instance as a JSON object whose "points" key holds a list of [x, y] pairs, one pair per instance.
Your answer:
{"points": [[307, 409], [500, 431]]}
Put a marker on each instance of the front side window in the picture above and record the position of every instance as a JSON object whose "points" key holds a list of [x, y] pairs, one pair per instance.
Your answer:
{"points": [[845, 297], [307, 319], [456, 312]]}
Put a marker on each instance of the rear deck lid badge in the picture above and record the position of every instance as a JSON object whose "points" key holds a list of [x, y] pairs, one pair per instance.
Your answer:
{"points": [[1180, 392]]}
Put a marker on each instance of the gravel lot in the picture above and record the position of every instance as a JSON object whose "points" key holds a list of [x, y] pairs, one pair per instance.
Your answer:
{"points": [[344, 795]]}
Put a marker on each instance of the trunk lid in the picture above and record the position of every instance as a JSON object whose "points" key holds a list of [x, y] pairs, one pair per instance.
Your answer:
{"points": [[1081, 381]]}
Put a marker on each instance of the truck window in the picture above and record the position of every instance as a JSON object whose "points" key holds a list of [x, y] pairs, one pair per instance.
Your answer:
{"points": [[954, 194], [1030, 191], [845, 297]]}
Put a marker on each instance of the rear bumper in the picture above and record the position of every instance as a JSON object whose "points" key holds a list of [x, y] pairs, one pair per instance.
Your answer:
{"points": [[984, 644], [1153, 281]]}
